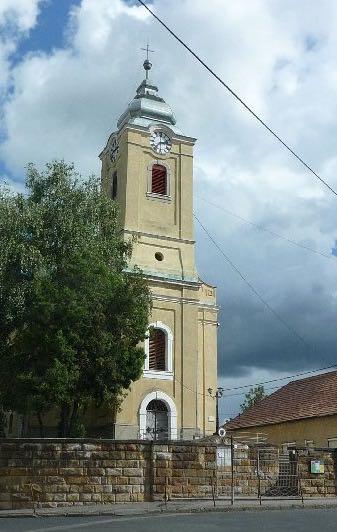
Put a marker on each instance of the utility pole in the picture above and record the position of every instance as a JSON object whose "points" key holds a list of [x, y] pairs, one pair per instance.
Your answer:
{"points": [[217, 395]]}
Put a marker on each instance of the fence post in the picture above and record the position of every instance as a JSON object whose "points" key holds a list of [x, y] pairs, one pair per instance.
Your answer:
{"points": [[298, 468], [258, 477], [214, 486], [232, 471]]}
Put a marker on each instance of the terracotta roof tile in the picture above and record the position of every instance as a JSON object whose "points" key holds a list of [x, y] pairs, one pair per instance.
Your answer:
{"points": [[311, 397]]}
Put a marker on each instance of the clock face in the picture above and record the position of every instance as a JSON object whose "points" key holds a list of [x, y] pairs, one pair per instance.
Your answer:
{"points": [[160, 142], [114, 149]]}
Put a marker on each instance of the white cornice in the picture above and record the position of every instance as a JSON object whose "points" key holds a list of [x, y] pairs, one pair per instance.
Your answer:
{"points": [[186, 301], [175, 136], [160, 237]]}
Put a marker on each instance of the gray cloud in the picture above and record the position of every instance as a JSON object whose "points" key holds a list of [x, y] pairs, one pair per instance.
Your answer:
{"points": [[280, 57]]}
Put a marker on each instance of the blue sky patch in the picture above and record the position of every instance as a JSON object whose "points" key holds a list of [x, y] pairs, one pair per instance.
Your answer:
{"points": [[49, 30]]}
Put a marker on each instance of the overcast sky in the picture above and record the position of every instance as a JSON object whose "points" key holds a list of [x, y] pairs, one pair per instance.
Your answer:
{"points": [[68, 69]]}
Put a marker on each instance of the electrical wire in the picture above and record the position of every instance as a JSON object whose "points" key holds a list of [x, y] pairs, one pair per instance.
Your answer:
{"points": [[239, 99], [281, 378], [251, 287], [265, 229], [288, 377]]}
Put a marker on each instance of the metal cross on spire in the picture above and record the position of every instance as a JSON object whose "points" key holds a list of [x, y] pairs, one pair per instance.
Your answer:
{"points": [[147, 63]]}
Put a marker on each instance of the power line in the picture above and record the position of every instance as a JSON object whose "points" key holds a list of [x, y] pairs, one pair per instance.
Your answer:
{"points": [[289, 377], [280, 378], [237, 97], [251, 287], [265, 229]]}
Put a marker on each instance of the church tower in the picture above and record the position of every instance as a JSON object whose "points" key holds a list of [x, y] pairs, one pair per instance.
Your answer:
{"points": [[147, 167]]}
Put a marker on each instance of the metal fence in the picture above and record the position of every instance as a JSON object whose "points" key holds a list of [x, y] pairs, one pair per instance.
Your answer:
{"points": [[256, 472]]}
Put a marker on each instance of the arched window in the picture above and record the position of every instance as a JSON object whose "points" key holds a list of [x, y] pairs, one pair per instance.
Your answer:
{"points": [[159, 180], [157, 350], [114, 186]]}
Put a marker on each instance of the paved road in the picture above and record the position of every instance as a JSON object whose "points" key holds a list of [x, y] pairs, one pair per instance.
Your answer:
{"points": [[258, 521]]}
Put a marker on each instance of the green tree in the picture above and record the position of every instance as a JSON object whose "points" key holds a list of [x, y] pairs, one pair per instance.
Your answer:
{"points": [[71, 316], [254, 395]]}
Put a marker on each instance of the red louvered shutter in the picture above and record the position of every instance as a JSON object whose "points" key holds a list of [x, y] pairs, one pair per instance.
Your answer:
{"points": [[159, 180], [157, 350]]}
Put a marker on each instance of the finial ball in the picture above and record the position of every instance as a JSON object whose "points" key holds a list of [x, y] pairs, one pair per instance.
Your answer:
{"points": [[147, 65]]}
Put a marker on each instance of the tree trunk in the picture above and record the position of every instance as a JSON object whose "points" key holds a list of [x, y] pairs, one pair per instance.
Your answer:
{"points": [[64, 421], [41, 426], [73, 417]]}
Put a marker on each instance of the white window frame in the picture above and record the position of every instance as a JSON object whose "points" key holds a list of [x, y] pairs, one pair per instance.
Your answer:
{"points": [[172, 413], [332, 440], [168, 373]]}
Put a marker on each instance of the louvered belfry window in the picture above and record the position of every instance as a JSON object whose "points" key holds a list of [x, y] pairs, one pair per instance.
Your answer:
{"points": [[157, 350], [159, 180]]}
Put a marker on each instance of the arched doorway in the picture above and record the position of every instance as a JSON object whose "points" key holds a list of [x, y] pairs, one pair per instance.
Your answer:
{"points": [[156, 420], [157, 412]]}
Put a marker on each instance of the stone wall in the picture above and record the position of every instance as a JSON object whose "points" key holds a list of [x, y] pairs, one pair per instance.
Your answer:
{"points": [[54, 472], [318, 484], [255, 470], [264, 472]]}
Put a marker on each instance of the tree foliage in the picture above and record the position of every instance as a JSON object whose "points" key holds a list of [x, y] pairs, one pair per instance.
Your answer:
{"points": [[71, 317], [254, 395]]}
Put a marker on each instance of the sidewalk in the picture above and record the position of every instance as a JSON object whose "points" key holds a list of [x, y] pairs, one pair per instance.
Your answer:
{"points": [[177, 506]]}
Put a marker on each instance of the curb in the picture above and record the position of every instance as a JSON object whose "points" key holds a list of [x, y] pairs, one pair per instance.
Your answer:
{"points": [[163, 511]]}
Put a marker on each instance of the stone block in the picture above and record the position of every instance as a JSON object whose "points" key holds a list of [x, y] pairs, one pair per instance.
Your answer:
{"points": [[113, 472], [77, 480], [96, 471], [100, 455], [73, 497], [135, 480], [108, 497], [66, 471], [119, 480], [109, 463], [87, 488], [117, 455], [164, 456], [85, 497], [90, 447], [59, 497], [122, 497], [75, 488], [121, 489], [132, 447], [133, 472]]}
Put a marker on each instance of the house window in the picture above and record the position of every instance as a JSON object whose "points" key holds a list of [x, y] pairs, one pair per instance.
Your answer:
{"points": [[157, 350], [114, 186], [159, 180], [309, 443], [332, 443]]}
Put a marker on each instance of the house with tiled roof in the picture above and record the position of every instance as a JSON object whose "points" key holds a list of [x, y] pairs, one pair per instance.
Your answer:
{"points": [[301, 413]]}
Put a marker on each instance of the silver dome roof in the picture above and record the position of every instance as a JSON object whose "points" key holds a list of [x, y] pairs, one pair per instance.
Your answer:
{"points": [[148, 108]]}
